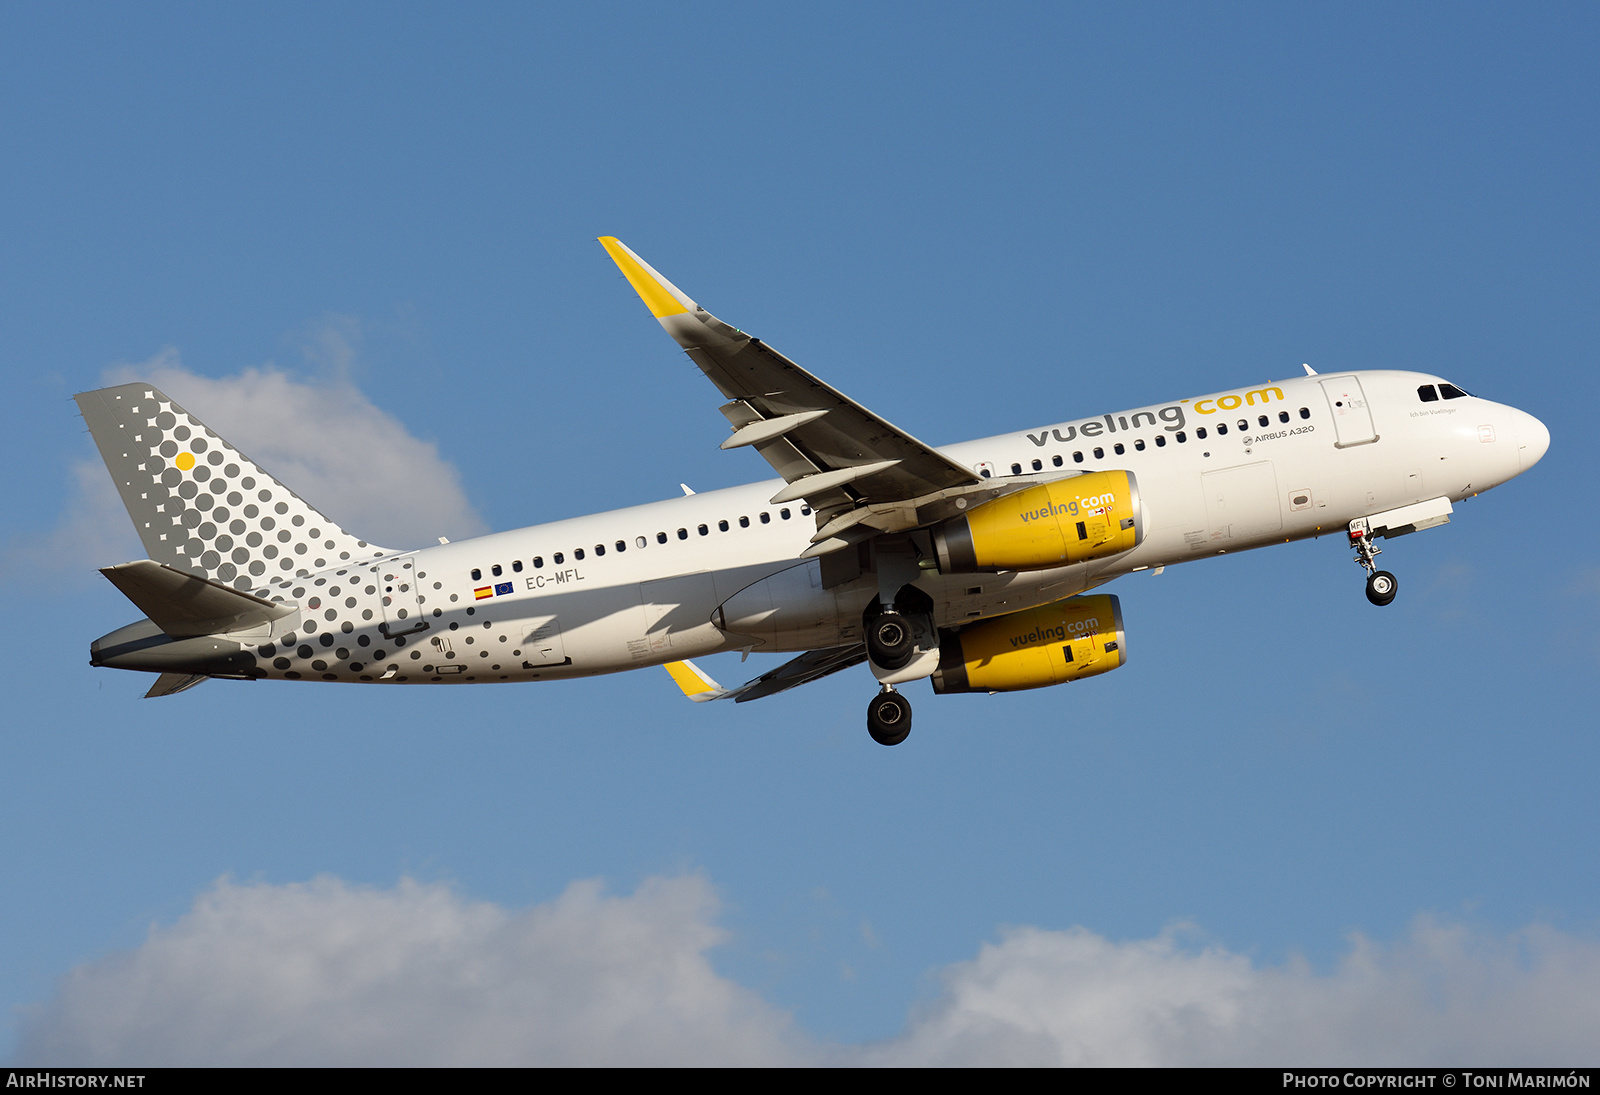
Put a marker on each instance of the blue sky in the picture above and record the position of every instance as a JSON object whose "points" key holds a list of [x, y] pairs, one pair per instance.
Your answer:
{"points": [[380, 220]]}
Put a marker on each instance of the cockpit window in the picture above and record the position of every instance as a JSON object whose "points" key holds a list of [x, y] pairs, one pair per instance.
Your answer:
{"points": [[1450, 391], [1427, 394]]}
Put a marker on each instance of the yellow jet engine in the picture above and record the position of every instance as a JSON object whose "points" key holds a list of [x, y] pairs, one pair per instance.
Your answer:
{"points": [[1064, 521], [1066, 641]]}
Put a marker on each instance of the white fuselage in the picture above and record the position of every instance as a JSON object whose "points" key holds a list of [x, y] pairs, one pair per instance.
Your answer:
{"points": [[639, 586]]}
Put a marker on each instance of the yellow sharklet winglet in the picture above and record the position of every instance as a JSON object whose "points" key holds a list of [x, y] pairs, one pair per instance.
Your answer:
{"points": [[695, 684], [659, 295]]}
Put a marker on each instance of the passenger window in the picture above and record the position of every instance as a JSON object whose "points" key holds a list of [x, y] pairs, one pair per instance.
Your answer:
{"points": [[784, 513], [1056, 460], [640, 541], [1119, 448], [1038, 465], [1264, 420], [577, 553], [1200, 433], [984, 473], [599, 549], [495, 570], [683, 534], [1016, 469], [1099, 453], [1138, 444], [1450, 391], [805, 511], [1181, 437], [1305, 412], [538, 562], [1077, 458], [661, 537], [1222, 428], [477, 575], [1244, 425], [1161, 440], [766, 518], [722, 526], [744, 522], [1283, 416], [559, 558], [703, 530], [516, 565]]}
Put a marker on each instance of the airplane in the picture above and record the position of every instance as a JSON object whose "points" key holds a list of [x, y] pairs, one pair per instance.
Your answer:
{"points": [[974, 566]]}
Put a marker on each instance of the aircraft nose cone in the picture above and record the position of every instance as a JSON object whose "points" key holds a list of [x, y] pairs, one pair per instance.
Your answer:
{"points": [[1533, 439]]}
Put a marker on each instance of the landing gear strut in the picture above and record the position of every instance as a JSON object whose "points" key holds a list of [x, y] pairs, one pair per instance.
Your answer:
{"points": [[1381, 585], [889, 717]]}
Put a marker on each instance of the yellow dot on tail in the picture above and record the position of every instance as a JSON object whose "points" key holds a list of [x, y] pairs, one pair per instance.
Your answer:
{"points": [[185, 461]]}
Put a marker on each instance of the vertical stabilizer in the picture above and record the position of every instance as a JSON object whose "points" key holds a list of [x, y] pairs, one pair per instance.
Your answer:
{"points": [[201, 505]]}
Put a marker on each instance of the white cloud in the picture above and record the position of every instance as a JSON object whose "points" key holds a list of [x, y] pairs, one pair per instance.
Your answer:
{"points": [[325, 973], [1443, 996], [328, 444]]}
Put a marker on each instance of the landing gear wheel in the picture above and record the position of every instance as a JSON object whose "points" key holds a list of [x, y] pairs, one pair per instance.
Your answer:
{"points": [[890, 642], [1382, 587], [889, 717]]}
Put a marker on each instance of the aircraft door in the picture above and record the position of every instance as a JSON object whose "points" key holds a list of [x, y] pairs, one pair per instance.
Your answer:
{"points": [[396, 580], [1242, 502], [1352, 418], [677, 611], [543, 646]]}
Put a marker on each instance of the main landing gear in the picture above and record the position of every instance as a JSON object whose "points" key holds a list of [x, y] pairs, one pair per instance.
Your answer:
{"points": [[889, 717], [902, 646], [1381, 585], [890, 641]]}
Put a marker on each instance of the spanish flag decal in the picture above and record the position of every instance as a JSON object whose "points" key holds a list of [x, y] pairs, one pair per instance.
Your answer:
{"points": [[481, 592]]}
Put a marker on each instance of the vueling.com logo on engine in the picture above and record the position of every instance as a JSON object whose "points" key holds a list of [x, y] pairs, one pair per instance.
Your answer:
{"points": [[1095, 503], [1056, 634]]}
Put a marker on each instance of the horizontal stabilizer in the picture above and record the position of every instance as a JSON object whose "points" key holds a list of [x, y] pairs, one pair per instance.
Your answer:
{"points": [[184, 605], [170, 684]]}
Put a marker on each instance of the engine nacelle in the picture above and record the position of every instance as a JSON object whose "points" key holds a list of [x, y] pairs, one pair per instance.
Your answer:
{"points": [[1049, 525], [1067, 641]]}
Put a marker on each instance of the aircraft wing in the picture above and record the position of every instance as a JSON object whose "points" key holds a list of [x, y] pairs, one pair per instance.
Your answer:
{"points": [[833, 452], [811, 666]]}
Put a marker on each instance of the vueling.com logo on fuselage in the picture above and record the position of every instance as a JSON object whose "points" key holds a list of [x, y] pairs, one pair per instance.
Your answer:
{"points": [[1095, 503], [1056, 634], [1170, 419]]}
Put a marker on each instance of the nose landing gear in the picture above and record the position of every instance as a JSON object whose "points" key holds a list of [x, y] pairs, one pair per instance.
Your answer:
{"points": [[1381, 585], [889, 717]]}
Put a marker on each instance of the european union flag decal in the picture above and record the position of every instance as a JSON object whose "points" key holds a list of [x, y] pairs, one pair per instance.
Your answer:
{"points": [[502, 588]]}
